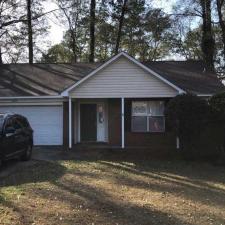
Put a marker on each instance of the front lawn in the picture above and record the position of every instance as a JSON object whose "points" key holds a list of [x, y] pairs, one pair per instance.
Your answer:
{"points": [[106, 191]]}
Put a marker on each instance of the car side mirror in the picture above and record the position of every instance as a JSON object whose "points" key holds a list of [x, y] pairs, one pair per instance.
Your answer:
{"points": [[9, 131]]}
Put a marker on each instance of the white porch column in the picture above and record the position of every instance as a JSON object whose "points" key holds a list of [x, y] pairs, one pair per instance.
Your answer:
{"points": [[122, 123], [70, 123]]}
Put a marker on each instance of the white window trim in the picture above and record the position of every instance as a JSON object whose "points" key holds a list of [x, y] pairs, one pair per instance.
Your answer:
{"points": [[148, 115]]}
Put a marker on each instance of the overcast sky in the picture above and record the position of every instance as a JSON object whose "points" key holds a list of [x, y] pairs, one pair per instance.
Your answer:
{"points": [[56, 30]]}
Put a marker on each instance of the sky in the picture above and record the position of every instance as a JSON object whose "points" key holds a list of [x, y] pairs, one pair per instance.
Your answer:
{"points": [[56, 29]]}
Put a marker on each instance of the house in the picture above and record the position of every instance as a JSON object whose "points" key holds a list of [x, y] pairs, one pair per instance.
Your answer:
{"points": [[119, 102]]}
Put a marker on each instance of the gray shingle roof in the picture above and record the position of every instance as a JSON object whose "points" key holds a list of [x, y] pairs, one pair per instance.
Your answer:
{"points": [[52, 79], [188, 75], [40, 79]]}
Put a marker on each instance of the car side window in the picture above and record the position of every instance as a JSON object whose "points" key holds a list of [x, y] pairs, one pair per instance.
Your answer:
{"points": [[24, 122], [9, 123], [17, 124]]}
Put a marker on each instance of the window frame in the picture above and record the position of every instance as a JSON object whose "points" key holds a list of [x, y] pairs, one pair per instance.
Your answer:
{"points": [[148, 115]]}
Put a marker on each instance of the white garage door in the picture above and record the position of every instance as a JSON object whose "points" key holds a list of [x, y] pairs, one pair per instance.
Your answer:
{"points": [[46, 121]]}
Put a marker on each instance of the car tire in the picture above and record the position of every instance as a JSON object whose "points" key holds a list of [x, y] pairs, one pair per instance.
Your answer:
{"points": [[28, 153]]}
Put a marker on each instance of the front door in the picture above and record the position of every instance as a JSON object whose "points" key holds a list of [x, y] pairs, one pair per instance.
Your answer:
{"points": [[88, 122]]}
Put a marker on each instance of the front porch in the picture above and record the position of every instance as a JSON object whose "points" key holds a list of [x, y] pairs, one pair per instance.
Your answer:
{"points": [[107, 123]]}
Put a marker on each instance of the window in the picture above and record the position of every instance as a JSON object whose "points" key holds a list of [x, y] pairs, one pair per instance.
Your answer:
{"points": [[1, 122], [24, 122], [148, 116], [9, 123], [17, 123]]}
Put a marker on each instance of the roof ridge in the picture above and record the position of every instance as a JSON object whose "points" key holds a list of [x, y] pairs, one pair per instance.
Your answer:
{"points": [[177, 61], [39, 63]]}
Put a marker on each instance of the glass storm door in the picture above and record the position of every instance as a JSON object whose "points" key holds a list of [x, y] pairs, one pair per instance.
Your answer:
{"points": [[101, 122]]}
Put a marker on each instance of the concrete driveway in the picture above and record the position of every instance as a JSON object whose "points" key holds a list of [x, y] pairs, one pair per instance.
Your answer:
{"points": [[39, 153]]}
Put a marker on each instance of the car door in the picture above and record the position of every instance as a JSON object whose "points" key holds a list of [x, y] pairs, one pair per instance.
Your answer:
{"points": [[8, 140], [19, 134], [25, 132]]}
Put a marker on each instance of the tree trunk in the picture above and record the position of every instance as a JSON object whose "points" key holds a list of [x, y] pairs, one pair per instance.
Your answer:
{"points": [[92, 31], [221, 21], [1, 62], [121, 20], [30, 32], [73, 45], [208, 42]]}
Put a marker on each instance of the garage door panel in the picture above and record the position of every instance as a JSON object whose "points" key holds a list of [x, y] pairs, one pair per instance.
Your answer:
{"points": [[46, 121]]}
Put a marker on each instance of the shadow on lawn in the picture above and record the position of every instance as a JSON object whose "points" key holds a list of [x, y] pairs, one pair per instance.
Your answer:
{"points": [[168, 181], [190, 181], [109, 210], [15, 173], [33, 172]]}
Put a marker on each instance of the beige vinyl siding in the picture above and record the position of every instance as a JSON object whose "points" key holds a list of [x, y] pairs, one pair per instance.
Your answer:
{"points": [[123, 78]]}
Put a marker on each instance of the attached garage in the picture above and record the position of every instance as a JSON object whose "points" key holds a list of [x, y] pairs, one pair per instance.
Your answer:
{"points": [[46, 121]]}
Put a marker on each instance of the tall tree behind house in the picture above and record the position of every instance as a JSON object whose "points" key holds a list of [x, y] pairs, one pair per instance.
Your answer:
{"points": [[121, 22], [221, 11], [11, 40], [143, 34], [105, 33], [30, 32], [73, 13], [208, 42], [199, 11], [92, 31]]}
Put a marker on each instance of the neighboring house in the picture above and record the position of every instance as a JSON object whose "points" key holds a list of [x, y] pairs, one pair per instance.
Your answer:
{"points": [[120, 102]]}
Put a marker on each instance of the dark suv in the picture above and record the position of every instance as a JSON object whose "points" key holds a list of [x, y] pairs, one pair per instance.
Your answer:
{"points": [[16, 137]]}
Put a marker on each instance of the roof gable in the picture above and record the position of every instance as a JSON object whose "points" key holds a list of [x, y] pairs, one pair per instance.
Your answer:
{"points": [[122, 78], [115, 58]]}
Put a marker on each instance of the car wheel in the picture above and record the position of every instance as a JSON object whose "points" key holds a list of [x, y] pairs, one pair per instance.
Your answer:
{"points": [[27, 155]]}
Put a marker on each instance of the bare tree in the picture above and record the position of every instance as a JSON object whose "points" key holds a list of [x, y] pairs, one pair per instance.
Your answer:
{"points": [[72, 12]]}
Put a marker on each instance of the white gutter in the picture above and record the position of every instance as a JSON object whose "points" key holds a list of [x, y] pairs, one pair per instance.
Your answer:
{"points": [[32, 97], [205, 95]]}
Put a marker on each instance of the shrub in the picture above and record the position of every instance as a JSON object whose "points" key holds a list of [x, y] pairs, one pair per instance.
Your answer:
{"points": [[187, 115], [217, 104]]}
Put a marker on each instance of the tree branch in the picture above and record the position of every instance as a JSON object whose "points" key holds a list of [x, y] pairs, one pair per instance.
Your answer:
{"points": [[25, 20]]}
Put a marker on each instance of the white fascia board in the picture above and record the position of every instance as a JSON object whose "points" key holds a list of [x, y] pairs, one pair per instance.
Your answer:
{"points": [[124, 96], [66, 92], [205, 95], [32, 97], [30, 104]]}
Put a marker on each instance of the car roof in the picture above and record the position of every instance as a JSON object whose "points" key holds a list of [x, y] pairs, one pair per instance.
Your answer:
{"points": [[10, 114]]}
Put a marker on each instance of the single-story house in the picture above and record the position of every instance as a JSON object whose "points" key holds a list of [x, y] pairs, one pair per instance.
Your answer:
{"points": [[119, 102]]}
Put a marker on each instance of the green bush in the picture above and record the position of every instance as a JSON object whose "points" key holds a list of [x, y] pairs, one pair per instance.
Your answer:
{"points": [[217, 104], [188, 116]]}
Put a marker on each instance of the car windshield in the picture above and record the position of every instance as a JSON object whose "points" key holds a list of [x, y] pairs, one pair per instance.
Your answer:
{"points": [[1, 121]]}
